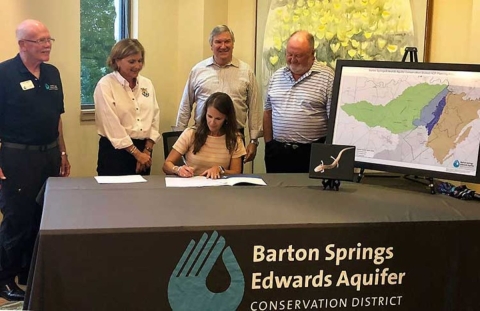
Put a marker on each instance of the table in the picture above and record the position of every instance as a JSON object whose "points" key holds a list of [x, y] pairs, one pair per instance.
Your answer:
{"points": [[287, 245]]}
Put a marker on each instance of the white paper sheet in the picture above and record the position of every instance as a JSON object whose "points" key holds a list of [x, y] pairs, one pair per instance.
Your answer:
{"points": [[126, 179]]}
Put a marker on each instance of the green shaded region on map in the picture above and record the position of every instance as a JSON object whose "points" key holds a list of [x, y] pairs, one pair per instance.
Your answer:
{"points": [[397, 115]]}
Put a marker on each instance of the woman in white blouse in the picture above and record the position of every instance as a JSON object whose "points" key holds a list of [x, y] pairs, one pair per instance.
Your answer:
{"points": [[126, 113], [212, 149]]}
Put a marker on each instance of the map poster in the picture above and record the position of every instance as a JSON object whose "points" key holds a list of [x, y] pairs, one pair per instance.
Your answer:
{"points": [[403, 117]]}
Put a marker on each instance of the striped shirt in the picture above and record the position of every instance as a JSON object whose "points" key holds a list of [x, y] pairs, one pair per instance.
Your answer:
{"points": [[236, 79], [213, 153], [300, 108]]}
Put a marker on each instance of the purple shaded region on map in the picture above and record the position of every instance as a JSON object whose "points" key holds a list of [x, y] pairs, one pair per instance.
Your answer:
{"points": [[437, 113], [430, 114]]}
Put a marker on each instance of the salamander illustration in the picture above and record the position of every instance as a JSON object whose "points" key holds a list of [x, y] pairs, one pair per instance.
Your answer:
{"points": [[322, 167]]}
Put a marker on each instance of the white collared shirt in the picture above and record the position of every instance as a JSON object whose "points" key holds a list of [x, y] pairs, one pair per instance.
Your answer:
{"points": [[122, 113], [236, 79]]}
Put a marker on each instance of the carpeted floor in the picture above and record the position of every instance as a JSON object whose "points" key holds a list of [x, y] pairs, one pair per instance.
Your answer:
{"points": [[11, 305], [16, 305]]}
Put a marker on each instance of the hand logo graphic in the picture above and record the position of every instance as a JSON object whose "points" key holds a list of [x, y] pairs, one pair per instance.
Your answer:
{"points": [[187, 288]]}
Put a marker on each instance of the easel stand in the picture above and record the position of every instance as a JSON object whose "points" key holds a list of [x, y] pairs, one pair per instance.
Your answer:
{"points": [[430, 181], [412, 52], [361, 174]]}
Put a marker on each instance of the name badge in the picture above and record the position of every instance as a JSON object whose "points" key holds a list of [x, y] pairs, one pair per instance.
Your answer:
{"points": [[27, 85]]}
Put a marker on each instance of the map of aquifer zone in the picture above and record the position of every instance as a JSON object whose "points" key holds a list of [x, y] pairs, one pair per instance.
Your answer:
{"points": [[445, 115]]}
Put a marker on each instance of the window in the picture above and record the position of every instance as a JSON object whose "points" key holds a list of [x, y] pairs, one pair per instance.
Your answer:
{"points": [[102, 23]]}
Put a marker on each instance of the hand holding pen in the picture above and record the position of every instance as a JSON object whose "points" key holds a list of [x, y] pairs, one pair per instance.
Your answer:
{"points": [[185, 170]]}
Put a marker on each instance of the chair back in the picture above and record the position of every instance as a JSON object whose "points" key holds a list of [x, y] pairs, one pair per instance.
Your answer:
{"points": [[169, 139]]}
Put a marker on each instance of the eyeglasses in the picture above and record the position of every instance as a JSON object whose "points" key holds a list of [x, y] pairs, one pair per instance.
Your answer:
{"points": [[41, 41]]}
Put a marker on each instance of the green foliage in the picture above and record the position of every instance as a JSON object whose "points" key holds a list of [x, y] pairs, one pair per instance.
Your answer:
{"points": [[97, 36]]}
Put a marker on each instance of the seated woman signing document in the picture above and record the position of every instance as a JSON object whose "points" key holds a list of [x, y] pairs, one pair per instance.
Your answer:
{"points": [[214, 148]]}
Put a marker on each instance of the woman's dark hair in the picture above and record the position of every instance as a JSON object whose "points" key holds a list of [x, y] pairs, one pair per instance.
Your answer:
{"points": [[223, 103]]}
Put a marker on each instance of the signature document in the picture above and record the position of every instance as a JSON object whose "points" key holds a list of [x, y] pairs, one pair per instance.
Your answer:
{"points": [[202, 181]]}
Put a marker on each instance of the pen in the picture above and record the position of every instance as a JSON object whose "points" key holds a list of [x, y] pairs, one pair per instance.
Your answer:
{"points": [[184, 160]]}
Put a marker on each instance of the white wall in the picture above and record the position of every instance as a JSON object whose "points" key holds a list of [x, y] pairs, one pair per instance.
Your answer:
{"points": [[455, 31]]}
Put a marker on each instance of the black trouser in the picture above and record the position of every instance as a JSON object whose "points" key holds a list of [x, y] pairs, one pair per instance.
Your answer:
{"points": [[288, 157], [116, 162], [26, 172]]}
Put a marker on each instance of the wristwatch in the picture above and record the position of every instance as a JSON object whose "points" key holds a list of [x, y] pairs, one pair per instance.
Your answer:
{"points": [[254, 141]]}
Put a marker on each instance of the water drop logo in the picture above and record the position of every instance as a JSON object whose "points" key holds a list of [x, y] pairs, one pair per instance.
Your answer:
{"points": [[456, 164], [187, 288], [47, 87]]}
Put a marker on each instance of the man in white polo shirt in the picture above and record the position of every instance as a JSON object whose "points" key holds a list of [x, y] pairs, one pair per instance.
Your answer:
{"points": [[297, 107]]}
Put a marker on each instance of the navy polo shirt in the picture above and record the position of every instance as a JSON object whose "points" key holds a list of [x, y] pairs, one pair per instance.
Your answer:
{"points": [[30, 108]]}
